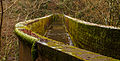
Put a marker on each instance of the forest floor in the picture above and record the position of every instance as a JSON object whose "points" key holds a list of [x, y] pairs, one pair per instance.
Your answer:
{"points": [[20, 10], [10, 47]]}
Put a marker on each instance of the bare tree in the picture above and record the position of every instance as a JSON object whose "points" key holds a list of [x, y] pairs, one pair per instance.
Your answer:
{"points": [[1, 21]]}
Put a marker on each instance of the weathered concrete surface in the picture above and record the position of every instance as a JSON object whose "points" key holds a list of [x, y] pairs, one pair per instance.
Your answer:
{"points": [[45, 49], [24, 51], [57, 31], [94, 37], [55, 51]]}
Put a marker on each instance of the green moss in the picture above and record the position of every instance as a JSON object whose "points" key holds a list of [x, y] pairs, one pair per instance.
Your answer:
{"points": [[85, 36], [24, 36], [40, 26], [34, 51], [93, 37]]}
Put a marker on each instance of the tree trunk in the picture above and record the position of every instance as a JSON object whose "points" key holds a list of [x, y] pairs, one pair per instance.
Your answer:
{"points": [[1, 21]]}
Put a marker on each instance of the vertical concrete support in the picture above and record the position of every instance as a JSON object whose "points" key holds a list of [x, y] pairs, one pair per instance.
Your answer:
{"points": [[24, 51]]}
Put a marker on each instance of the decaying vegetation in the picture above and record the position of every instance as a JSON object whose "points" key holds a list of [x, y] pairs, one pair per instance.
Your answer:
{"points": [[105, 12]]}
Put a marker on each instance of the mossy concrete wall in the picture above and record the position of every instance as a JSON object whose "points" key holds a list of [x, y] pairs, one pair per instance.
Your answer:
{"points": [[94, 37], [35, 47], [40, 25]]}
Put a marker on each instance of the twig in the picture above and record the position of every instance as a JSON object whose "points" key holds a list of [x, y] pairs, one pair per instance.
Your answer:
{"points": [[9, 7], [36, 9], [18, 17], [101, 13]]}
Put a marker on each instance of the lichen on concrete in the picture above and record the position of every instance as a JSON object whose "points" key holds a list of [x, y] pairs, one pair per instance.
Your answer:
{"points": [[94, 37], [87, 36]]}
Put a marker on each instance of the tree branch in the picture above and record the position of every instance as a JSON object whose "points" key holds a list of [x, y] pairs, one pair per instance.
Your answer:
{"points": [[9, 7]]}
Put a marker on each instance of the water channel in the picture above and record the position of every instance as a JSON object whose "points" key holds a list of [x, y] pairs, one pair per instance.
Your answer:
{"points": [[56, 31]]}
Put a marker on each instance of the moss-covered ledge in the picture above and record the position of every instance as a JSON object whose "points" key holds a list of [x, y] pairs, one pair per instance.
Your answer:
{"points": [[46, 49], [57, 51]]}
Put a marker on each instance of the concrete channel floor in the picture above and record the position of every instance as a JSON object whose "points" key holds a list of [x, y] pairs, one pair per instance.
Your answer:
{"points": [[57, 32]]}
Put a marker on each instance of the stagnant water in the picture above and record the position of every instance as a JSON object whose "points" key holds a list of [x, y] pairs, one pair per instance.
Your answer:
{"points": [[57, 32]]}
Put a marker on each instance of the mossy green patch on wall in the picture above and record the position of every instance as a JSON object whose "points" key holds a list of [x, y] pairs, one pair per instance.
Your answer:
{"points": [[40, 25], [34, 51], [94, 37]]}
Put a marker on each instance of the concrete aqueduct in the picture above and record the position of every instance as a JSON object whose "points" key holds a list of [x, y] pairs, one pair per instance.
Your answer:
{"points": [[58, 37]]}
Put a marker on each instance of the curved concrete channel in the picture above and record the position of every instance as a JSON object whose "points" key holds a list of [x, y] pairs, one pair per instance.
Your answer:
{"points": [[58, 37], [56, 31]]}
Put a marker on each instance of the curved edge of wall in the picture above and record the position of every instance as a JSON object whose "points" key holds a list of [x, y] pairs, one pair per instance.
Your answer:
{"points": [[94, 37], [36, 47]]}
